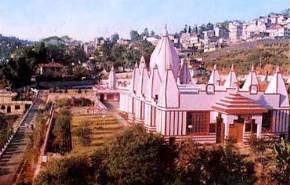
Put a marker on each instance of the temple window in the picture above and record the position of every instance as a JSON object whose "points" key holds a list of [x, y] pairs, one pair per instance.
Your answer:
{"points": [[17, 107], [266, 122], [156, 97]]}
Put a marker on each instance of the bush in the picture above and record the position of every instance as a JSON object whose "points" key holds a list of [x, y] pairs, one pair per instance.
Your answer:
{"points": [[63, 102], [212, 166], [67, 171], [136, 157], [62, 131], [281, 173]]}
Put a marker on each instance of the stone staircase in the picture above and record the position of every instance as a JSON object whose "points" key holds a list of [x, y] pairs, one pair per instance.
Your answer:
{"points": [[11, 158]]}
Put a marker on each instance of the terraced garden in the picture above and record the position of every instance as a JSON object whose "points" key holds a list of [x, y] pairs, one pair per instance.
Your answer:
{"points": [[102, 128]]}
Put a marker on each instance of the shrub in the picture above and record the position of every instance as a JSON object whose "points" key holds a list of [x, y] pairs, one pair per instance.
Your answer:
{"points": [[212, 166], [84, 133], [136, 157], [67, 171], [281, 173]]}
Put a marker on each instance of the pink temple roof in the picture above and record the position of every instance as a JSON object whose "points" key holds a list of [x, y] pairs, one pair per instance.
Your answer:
{"points": [[234, 103]]}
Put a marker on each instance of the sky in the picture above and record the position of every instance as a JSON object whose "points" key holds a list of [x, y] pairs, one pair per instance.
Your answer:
{"points": [[87, 19]]}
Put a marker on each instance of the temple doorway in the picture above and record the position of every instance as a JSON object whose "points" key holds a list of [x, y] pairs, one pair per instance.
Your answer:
{"points": [[236, 132]]}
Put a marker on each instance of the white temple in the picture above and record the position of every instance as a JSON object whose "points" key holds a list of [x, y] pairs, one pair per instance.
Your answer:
{"points": [[164, 100]]}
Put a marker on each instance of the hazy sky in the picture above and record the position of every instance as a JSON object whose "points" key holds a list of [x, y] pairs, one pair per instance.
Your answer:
{"points": [[86, 19]]}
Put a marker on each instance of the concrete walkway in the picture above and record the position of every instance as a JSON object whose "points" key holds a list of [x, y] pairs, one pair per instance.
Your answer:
{"points": [[12, 159]]}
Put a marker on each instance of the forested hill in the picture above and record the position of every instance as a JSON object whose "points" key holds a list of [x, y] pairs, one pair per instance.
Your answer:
{"points": [[8, 44]]}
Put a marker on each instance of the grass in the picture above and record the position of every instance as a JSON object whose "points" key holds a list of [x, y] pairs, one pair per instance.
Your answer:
{"points": [[103, 128]]}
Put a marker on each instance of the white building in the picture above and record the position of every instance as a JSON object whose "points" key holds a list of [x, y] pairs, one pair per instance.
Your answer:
{"points": [[235, 31], [164, 100]]}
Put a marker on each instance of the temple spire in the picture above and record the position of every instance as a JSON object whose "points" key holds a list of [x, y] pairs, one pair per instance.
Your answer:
{"points": [[277, 86], [251, 80], [214, 77], [231, 81]]}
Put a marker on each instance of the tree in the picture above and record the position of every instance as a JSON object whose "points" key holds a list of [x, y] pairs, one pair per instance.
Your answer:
{"points": [[119, 54], [185, 28], [197, 165], [134, 35], [145, 33], [189, 29], [281, 173], [152, 33], [132, 56], [114, 37], [66, 171], [136, 157]]}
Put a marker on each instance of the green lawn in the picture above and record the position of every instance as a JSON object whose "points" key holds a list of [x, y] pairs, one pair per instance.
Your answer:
{"points": [[102, 129]]}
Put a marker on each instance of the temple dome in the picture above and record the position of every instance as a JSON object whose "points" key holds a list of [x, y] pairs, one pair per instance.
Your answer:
{"points": [[165, 55]]}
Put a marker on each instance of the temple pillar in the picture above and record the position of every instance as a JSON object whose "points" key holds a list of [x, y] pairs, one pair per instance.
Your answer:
{"points": [[228, 119], [227, 129], [258, 120]]}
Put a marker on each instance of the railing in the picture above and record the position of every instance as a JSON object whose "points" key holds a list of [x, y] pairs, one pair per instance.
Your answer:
{"points": [[49, 123], [17, 128]]}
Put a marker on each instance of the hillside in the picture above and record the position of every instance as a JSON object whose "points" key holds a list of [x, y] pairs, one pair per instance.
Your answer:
{"points": [[265, 55], [8, 44]]}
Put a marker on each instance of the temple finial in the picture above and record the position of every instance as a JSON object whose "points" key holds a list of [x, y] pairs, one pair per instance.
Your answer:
{"points": [[214, 67], [278, 69], [112, 68], [142, 60], [252, 68], [232, 67], [165, 30], [136, 65]]}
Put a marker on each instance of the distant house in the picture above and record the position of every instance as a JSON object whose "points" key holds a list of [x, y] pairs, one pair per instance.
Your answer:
{"points": [[221, 32], [235, 31], [52, 69], [10, 106], [189, 40], [153, 40], [123, 41], [278, 30]]}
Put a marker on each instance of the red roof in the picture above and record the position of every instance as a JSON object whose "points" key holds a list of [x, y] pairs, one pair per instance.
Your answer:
{"points": [[234, 103]]}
